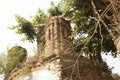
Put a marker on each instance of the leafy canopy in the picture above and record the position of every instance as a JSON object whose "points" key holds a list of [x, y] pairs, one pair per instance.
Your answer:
{"points": [[24, 27], [15, 57], [29, 28], [87, 17], [85, 21]]}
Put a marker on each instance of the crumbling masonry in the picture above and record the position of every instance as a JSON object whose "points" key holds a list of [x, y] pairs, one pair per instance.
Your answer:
{"points": [[57, 59]]}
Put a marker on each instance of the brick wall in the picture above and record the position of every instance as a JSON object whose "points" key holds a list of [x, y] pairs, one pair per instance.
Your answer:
{"points": [[57, 32]]}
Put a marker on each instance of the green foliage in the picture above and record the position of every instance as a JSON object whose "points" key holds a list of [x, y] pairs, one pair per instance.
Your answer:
{"points": [[54, 10], [39, 18], [24, 27], [2, 63], [27, 28], [85, 22], [15, 57], [1, 67]]}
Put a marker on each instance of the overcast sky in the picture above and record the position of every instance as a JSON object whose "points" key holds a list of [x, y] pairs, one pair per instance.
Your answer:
{"points": [[25, 8]]}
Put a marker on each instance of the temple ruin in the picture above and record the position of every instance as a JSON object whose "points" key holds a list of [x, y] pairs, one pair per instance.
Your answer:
{"points": [[57, 59]]}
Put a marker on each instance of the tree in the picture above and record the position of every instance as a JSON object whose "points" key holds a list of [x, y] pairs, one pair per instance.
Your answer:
{"points": [[90, 18], [16, 56], [29, 28], [24, 27]]}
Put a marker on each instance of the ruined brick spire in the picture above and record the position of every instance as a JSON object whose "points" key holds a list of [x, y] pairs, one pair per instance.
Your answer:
{"points": [[57, 32]]}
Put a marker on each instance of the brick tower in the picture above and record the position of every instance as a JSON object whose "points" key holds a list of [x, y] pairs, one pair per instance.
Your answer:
{"points": [[57, 40]]}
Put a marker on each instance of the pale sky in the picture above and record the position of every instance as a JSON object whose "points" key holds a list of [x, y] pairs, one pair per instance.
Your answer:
{"points": [[26, 8]]}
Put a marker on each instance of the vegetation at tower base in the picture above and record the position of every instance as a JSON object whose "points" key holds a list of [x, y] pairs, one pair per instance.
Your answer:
{"points": [[16, 56]]}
